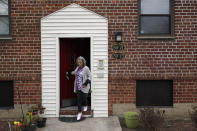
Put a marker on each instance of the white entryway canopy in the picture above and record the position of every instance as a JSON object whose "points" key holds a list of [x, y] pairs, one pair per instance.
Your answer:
{"points": [[74, 21]]}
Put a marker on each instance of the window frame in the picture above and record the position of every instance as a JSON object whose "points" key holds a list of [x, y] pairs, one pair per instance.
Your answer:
{"points": [[157, 36], [7, 36]]}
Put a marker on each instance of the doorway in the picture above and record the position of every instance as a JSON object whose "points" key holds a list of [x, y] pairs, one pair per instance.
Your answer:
{"points": [[70, 49]]}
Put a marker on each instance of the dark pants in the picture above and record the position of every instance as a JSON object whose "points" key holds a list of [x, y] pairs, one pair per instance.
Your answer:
{"points": [[81, 100]]}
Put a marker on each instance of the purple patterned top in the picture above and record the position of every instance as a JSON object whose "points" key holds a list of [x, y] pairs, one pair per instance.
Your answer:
{"points": [[79, 78]]}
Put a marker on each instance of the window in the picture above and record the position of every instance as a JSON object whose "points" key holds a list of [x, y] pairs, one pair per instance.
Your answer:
{"points": [[4, 18], [154, 93], [6, 94], [155, 18]]}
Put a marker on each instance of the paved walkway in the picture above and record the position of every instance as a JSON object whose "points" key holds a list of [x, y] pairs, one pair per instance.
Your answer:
{"points": [[89, 124]]}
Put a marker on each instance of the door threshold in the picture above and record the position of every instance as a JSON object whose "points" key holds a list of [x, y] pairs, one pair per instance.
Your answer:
{"points": [[88, 116], [72, 108]]}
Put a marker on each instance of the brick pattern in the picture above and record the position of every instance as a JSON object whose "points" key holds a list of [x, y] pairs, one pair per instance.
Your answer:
{"points": [[155, 59], [30, 92], [144, 59]]}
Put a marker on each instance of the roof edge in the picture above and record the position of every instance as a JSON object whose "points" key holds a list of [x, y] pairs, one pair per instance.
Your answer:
{"points": [[76, 5]]}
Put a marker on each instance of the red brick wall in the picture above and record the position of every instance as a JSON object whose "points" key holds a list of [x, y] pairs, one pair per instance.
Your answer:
{"points": [[20, 58], [144, 59], [155, 59]]}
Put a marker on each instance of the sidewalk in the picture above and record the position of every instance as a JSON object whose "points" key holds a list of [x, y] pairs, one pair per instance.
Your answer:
{"points": [[89, 124]]}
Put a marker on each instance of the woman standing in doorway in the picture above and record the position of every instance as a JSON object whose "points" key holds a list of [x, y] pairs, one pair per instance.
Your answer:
{"points": [[81, 84]]}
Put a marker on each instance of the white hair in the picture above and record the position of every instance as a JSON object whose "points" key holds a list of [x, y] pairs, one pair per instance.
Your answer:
{"points": [[82, 59]]}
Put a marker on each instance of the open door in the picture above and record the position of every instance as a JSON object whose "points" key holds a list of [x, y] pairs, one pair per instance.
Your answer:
{"points": [[70, 49]]}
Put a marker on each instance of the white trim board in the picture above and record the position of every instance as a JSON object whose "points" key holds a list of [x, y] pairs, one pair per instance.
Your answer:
{"points": [[90, 25]]}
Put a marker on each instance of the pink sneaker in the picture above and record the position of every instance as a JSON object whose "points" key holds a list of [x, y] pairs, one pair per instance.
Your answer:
{"points": [[85, 108], [79, 116]]}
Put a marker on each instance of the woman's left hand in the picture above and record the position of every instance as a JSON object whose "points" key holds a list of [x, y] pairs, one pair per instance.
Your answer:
{"points": [[84, 86]]}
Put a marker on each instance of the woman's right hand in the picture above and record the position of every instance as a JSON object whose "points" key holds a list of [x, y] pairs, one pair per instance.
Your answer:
{"points": [[69, 72]]}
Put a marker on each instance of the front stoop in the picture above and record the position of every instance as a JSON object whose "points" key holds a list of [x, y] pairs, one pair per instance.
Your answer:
{"points": [[89, 124], [68, 112]]}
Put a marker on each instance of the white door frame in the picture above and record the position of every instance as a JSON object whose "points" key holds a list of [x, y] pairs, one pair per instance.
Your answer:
{"points": [[58, 66]]}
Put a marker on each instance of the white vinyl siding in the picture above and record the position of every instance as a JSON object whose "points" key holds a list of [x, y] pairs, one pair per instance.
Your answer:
{"points": [[74, 20]]}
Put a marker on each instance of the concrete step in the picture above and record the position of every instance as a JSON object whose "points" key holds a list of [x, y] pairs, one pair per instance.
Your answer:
{"points": [[73, 111]]}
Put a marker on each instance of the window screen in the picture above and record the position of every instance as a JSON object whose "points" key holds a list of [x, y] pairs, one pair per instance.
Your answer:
{"points": [[4, 18], [155, 17], [6, 94], [154, 93]]}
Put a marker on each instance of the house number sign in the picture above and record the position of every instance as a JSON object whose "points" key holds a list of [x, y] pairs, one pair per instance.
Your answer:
{"points": [[118, 47], [118, 55]]}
